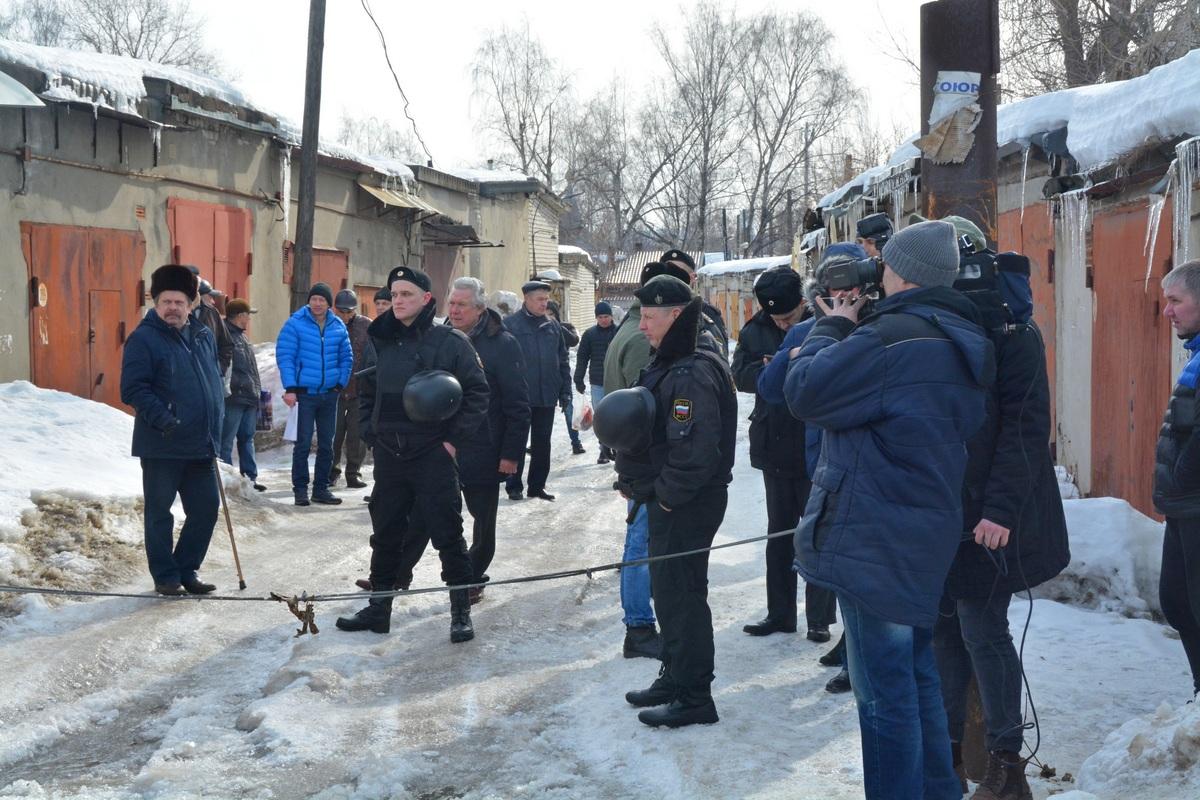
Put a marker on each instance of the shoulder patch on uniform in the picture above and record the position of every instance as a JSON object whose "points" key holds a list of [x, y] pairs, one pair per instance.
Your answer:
{"points": [[681, 409]]}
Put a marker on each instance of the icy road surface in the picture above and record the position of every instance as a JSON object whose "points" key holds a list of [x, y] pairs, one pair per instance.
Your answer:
{"points": [[117, 698]]}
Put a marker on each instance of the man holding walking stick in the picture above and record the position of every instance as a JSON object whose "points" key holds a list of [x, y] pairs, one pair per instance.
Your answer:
{"points": [[169, 375]]}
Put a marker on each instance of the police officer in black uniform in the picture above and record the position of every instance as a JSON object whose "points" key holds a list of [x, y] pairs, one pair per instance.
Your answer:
{"points": [[710, 318], [415, 469], [682, 477]]}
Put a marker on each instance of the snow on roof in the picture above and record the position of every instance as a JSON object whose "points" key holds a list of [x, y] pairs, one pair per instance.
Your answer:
{"points": [[118, 83], [744, 265], [572, 250], [1103, 121], [482, 175], [901, 156]]}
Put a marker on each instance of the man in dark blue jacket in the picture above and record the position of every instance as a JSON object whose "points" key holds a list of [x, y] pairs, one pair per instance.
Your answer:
{"points": [[589, 361], [169, 375], [241, 406], [897, 397], [548, 375], [1177, 471], [314, 357]]}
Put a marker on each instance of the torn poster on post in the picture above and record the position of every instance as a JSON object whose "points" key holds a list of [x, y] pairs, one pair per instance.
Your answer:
{"points": [[953, 117]]}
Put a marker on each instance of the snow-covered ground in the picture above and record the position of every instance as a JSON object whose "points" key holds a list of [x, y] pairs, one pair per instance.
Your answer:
{"points": [[143, 698]]}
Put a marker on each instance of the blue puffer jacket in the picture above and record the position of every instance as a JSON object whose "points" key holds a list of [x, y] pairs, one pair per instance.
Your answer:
{"points": [[897, 398], [310, 359], [770, 388], [171, 380]]}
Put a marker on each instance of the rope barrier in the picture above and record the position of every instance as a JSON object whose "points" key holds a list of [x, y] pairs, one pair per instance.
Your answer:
{"points": [[306, 615]]}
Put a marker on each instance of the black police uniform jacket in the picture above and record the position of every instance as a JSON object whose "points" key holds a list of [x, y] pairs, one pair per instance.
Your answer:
{"points": [[777, 439], [695, 425], [713, 324], [1010, 476], [397, 352], [504, 430]]}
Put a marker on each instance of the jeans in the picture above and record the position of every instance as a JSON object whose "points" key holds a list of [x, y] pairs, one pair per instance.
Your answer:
{"points": [[196, 484], [1179, 587], [597, 395], [905, 743], [569, 415], [319, 411], [240, 422], [541, 423], [635, 581], [971, 636]]}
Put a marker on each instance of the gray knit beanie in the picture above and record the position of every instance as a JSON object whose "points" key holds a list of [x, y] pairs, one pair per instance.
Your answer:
{"points": [[925, 254]]}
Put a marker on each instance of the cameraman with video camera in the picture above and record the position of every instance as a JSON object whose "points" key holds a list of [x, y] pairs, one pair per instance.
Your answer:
{"points": [[1015, 533], [896, 397]]}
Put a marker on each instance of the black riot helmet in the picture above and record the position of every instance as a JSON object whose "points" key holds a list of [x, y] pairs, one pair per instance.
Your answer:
{"points": [[623, 420], [432, 396]]}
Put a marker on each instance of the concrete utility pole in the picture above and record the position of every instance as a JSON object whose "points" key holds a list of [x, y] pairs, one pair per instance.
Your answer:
{"points": [[302, 254], [962, 35]]}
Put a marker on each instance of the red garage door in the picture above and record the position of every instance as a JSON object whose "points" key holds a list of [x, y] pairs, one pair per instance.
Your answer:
{"points": [[215, 238]]}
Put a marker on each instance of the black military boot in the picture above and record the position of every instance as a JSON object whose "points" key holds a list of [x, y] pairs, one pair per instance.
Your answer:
{"points": [[1004, 779], [376, 617], [661, 692], [460, 616], [840, 683], [684, 710], [641, 641]]}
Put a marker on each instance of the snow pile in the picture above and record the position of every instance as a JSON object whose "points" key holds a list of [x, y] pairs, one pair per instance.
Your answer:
{"points": [[1067, 489], [1116, 555], [1156, 755], [744, 265], [483, 175], [572, 250]]}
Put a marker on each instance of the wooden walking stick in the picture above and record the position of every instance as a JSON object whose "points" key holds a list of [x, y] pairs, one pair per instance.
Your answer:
{"points": [[229, 526]]}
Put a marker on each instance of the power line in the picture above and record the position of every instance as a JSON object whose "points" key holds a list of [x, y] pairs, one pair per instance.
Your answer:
{"points": [[383, 41]]}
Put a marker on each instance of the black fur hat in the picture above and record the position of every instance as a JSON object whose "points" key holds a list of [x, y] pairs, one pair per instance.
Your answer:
{"points": [[173, 278]]}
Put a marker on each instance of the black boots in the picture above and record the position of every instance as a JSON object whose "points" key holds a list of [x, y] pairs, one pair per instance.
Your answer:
{"points": [[641, 641], [767, 626], [818, 635], [540, 494], [679, 713], [376, 617], [460, 616], [660, 693], [577, 448], [1004, 779], [839, 683]]}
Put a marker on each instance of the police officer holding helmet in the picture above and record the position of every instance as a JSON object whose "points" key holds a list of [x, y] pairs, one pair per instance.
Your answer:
{"points": [[674, 435], [415, 417]]}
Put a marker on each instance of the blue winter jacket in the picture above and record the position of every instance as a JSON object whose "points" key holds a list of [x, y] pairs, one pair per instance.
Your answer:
{"points": [[547, 370], [310, 359], [770, 388], [897, 397], [170, 378]]}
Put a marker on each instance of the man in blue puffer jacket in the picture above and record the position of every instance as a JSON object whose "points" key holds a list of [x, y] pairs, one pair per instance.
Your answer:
{"points": [[169, 375], [314, 357], [897, 398]]}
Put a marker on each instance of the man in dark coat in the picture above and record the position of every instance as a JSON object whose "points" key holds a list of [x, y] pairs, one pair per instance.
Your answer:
{"points": [[416, 477], [169, 376], [208, 315], [1013, 514], [1177, 471], [490, 455], [897, 397], [683, 479], [711, 322], [346, 433], [777, 447], [571, 338], [241, 406], [589, 361], [548, 375]]}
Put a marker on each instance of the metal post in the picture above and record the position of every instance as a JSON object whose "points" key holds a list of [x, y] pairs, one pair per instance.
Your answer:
{"points": [[962, 35], [791, 222], [305, 219], [725, 231]]}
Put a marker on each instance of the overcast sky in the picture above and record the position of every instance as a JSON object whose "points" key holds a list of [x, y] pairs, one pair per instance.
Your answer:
{"points": [[432, 45]]}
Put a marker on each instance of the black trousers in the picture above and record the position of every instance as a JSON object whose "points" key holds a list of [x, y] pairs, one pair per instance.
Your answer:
{"points": [[416, 500], [786, 499], [346, 435], [679, 587], [482, 502], [1179, 587], [541, 423]]}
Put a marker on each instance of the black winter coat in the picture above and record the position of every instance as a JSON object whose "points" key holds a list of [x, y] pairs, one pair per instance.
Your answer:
{"points": [[712, 323], [244, 383], [397, 352], [548, 371], [777, 444], [170, 378], [1010, 476], [695, 425], [1177, 453], [589, 359], [506, 428], [209, 317]]}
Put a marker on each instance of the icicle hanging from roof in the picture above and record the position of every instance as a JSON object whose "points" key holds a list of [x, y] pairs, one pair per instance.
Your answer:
{"points": [[1155, 209], [1075, 219], [285, 185], [1187, 166]]}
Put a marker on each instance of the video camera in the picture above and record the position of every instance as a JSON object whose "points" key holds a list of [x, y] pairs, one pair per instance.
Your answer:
{"points": [[865, 274]]}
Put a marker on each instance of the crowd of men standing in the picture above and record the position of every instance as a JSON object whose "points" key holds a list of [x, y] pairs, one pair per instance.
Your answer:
{"points": [[901, 425]]}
